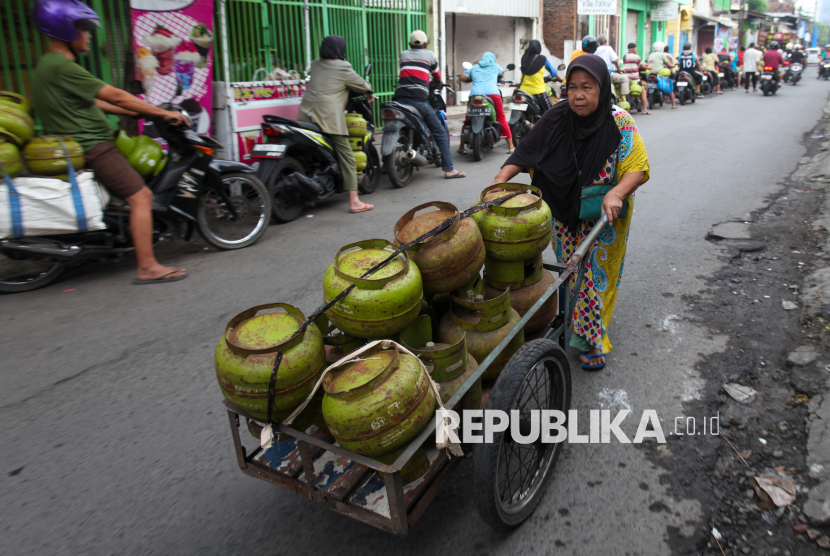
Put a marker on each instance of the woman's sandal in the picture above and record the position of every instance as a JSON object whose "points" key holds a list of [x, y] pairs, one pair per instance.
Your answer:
{"points": [[598, 366], [459, 151]]}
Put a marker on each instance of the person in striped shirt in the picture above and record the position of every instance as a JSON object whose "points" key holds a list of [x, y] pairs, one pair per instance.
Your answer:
{"points": [[418, 65]]}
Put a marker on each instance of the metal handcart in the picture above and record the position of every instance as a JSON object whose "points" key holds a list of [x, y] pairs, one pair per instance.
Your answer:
{"points": [[508, 477]]}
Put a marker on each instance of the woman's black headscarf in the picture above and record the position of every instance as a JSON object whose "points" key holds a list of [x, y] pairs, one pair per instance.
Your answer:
{"points": [[532, 60], [568, 151], [333, 48]]}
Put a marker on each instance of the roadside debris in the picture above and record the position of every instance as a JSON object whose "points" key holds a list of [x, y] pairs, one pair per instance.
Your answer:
{"points": [[775, 490], [740, 393]]}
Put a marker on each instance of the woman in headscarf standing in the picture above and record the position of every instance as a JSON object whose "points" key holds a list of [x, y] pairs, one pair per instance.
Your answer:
{"points": [[485, 77], [533, 68], [582, 142], [324, 103]]}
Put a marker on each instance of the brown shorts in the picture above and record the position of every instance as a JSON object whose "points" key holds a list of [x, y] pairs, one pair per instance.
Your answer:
{"points": [[113, 171]]}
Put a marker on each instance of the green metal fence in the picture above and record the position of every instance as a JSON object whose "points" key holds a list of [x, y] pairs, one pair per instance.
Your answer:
{"points": [[261, 34], [265, 35]]}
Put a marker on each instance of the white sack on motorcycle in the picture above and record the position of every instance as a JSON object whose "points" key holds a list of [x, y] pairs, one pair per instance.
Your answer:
{"points": [[46, 206]]}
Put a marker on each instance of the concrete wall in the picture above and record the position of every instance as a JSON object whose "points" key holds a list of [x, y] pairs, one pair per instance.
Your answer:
{"points": [[506, 37]]}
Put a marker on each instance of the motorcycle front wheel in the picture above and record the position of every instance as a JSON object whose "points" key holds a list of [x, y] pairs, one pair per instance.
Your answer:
{"points": [[250, 200]]}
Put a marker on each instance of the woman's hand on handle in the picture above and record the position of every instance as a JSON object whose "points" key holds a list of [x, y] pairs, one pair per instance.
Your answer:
{"points": [[612, 205], [507, 173]]}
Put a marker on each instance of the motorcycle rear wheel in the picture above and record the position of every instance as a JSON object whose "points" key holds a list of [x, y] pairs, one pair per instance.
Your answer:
{"points": [[371, 175], [478, 146], [397, 168], [682, 97], [18, 275], [252, 202], [285, 205]]}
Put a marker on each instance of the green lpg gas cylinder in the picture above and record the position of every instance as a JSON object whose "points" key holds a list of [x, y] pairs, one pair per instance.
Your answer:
{"points": [[244, 359], [381, 305], [449, 365], [378, 404], [448, 260], [518, 229], [146, 157], [19, 100], [357, 125], [10, 158], [522, 299], [485, 323], [45, 156], [17, 121], [512, 274]]}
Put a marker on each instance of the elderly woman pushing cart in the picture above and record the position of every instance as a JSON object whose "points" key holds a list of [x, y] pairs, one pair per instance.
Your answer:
{"points": [[587, 158]]}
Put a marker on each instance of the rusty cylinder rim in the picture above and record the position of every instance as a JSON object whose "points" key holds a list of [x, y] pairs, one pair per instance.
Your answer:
{"points": [[512, 187], [370, 283], [368, 386], [489, 309], [292, 342], [446, 235]]}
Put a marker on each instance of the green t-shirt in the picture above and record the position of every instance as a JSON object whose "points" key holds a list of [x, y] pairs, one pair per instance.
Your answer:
{"points": [[64, 97]]}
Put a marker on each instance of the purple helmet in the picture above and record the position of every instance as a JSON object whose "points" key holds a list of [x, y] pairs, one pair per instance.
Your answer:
{"points": [[62, 18]]}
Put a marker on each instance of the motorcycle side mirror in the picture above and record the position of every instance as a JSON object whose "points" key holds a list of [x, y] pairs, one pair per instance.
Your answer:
{"points": [[466, 65], [136, 87], [511, 67], [368, 71]]}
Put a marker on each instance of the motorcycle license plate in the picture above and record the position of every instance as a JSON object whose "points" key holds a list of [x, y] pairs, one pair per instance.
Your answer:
{"points": [[265, 150], [478, 111], [720, 74], [766, 77], [681, 83], [518, 106]]}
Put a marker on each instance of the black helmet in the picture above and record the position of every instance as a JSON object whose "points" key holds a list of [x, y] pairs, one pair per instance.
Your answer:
{"points": [[590, 44], [687, 46], [774, 45]]}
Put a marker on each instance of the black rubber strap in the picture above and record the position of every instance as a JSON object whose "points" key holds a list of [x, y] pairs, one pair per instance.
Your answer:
{"points": [[323, 308]]}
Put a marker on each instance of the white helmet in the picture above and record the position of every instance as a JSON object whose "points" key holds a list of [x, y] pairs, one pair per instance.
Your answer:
{"points": [[789, 46], [658, 47]]}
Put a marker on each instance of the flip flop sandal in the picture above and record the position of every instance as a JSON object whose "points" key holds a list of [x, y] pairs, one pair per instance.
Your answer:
{"points": [[162, 279], [597, 367], [364, 209], [511, 152], [461, 152], [456, 176]]}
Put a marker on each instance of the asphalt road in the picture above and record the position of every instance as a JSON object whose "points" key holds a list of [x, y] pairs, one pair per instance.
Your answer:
{"points": [[113, 436]]}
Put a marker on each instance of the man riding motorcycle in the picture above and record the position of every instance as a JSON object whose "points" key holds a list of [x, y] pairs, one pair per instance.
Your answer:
{"points": [[71, 101], [417, 66], [772, 58], [690, 64]]}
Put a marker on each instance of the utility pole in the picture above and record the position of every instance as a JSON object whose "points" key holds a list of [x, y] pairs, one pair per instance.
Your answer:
{"points": [[741, 25]]}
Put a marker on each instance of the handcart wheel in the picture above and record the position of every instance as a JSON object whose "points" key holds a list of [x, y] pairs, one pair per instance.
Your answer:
{"points": [[508, 477]]}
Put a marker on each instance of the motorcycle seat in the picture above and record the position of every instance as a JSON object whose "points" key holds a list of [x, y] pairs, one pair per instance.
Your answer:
{"points": [[272, 119], [411, 109]]}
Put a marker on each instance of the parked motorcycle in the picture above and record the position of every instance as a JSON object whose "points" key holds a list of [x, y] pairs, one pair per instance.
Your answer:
{"points": [[223, 200], [299, 165], [793, 72], [768, 82], [685, 87], [824, 69]]}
